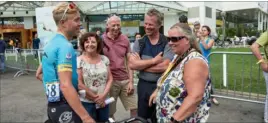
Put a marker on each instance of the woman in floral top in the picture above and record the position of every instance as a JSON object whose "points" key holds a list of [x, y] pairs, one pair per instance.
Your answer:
{"points": [[94, 76], [184, 89]]}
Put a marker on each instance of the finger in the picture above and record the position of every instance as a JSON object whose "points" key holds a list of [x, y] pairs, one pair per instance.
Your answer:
{"points": [[160, 54], [150, 102]]}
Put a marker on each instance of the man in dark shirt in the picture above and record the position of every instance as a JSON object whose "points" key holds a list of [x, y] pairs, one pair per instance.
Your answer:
{"points": [[3, 47], [36, 42]]}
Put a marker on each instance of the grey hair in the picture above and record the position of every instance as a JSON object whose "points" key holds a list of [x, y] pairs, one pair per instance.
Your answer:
{"points": [[114, 16], [187, 31]]}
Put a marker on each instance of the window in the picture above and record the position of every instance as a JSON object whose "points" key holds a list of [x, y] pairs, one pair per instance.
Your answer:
{"points": [[208, 12]]}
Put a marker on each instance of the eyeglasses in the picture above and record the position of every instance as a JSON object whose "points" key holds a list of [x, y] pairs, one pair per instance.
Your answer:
{"points": [[175, 39], [70, 6]]}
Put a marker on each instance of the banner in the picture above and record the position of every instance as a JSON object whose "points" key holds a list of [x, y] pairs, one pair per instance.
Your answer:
{"points": [[46, 27]]}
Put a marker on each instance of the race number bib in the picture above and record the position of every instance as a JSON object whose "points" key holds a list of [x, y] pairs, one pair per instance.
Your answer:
{"points": [[53, 92]]}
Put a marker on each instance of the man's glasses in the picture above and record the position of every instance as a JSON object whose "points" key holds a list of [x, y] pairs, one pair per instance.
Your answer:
{"points": [[70, 6], [175, 39]]}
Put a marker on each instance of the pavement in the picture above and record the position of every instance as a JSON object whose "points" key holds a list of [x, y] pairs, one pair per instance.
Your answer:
{"points": [[23, 100]]}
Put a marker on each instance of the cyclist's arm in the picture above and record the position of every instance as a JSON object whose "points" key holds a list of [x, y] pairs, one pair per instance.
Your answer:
{"points": [[65, 78], [39, 72]]}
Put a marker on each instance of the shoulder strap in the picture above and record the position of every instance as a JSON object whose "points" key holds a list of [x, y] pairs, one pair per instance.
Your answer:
{"points": [[164, 44], [142, 44]]}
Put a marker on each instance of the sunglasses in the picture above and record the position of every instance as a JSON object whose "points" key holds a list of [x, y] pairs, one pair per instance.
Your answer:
{"points": [[70, 6], [175, 39]]}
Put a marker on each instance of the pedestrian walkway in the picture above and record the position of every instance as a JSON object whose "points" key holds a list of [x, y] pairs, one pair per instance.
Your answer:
{"points": [[23, 100]]}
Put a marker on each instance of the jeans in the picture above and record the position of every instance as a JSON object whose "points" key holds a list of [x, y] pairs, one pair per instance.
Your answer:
{"points": [[2, 62], [265, 74], [99, 115]]}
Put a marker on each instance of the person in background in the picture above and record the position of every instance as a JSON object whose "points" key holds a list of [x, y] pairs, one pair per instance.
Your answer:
{"points": [[196, 29], [94, 76], [117, 49], [262, 41], [183, 19], [137, 37], [206, 43], [36, 42], [3, 47]]}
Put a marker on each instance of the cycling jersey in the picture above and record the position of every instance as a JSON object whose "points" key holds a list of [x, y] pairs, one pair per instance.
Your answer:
{"points": [[58, 56]]}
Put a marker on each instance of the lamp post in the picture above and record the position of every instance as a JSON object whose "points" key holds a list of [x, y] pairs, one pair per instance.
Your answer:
{"points": [[223, 14]]}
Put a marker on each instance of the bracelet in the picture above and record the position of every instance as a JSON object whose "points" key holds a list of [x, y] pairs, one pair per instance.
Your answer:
{"points": [[260, 61]]}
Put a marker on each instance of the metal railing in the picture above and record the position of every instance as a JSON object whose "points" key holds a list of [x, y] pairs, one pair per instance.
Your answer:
{"points": [[24, 60], [235, 75]]}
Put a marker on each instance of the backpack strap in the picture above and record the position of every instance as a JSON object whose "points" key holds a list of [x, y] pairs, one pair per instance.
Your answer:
{"points": [[164, 43], [142, 44]]}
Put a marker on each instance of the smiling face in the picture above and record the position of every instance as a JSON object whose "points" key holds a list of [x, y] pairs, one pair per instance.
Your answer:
{"points": [[178, 41], [114, 25], [91, 45], [150, 25]]}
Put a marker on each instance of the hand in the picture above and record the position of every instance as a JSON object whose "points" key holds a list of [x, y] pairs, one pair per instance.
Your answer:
{"points": [[88, 119], [159, 58], [80, 87], [264, 66], [135, 56], [152, 98], [130, 88], [100, 100]]}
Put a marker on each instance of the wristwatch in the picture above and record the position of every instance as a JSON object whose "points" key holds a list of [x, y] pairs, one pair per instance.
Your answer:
{"points": [[174, 120]]}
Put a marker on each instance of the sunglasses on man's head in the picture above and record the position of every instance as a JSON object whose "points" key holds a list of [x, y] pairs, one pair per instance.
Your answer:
{"points": [[71, 5], [175, 39]]}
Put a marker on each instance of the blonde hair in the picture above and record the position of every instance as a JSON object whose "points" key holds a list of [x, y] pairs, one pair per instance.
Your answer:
{"points": [[187, 31], [59, 11], [158, 14]]}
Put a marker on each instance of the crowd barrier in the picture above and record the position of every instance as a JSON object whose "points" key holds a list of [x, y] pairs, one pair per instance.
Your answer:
{"points": [[235, 75]]}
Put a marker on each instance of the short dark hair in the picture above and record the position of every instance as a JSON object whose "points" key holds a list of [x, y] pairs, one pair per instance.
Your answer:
{"points": [[183, 19], [208, 29], [84, 38], [137, 34]]}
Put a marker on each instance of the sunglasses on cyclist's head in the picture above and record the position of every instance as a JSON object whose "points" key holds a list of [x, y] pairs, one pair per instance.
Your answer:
{"points": [[71, 5], [175, 39]]}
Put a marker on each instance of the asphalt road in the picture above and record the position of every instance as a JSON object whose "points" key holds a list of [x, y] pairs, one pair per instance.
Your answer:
{"points": [[23, 100]]}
